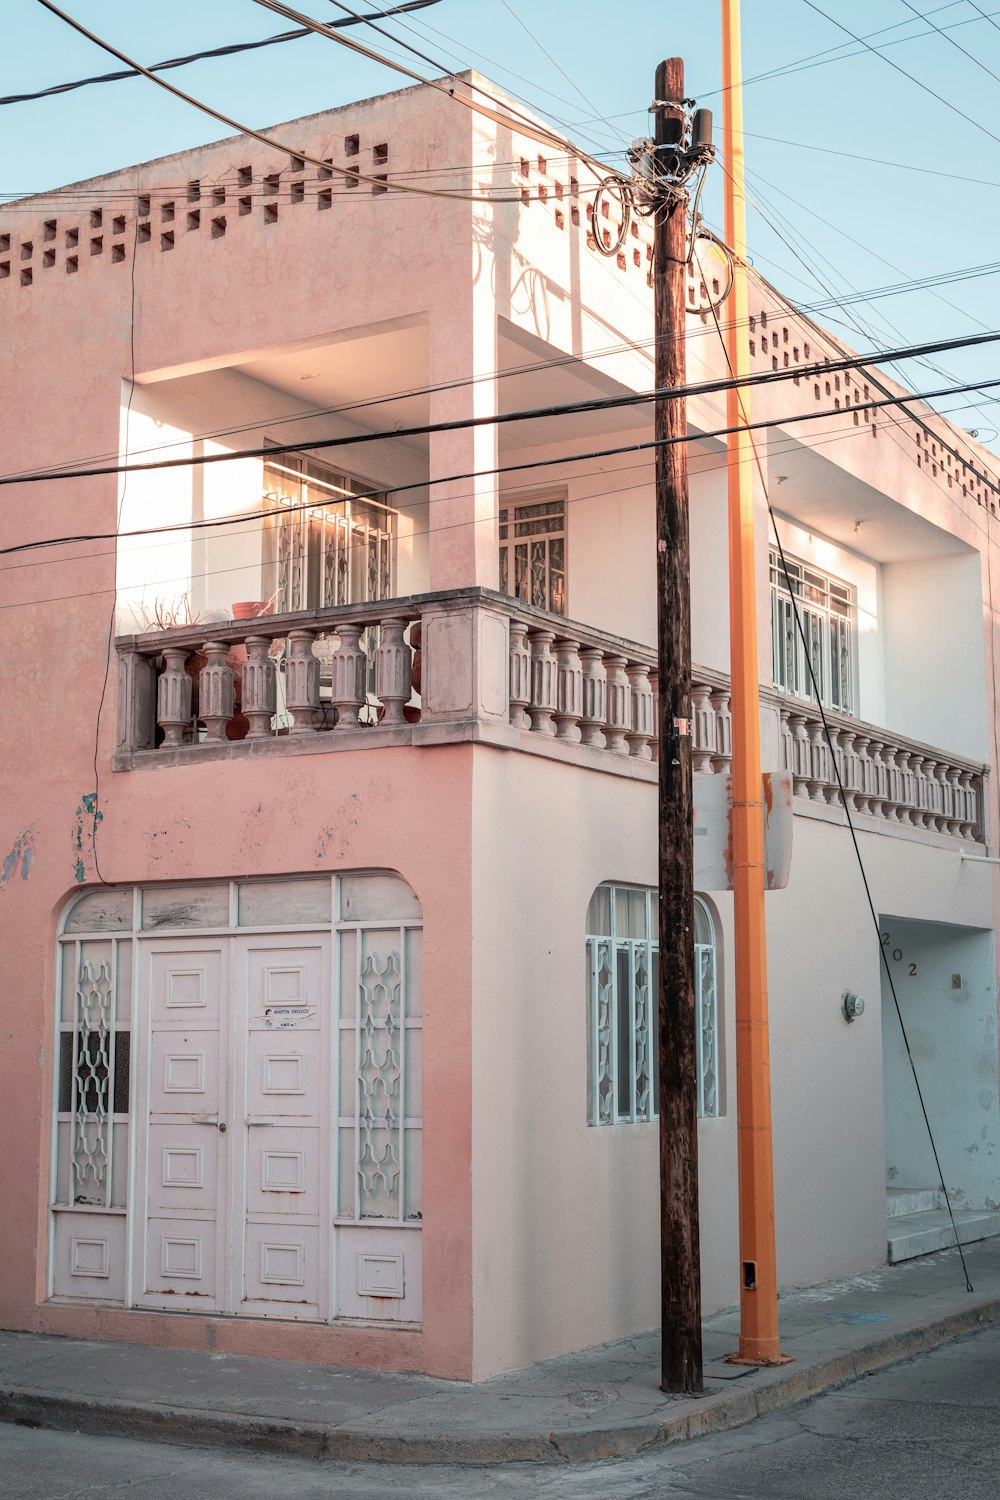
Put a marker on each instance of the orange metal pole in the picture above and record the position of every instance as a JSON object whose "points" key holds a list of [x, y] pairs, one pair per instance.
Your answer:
{"points": [[758, 1273]]}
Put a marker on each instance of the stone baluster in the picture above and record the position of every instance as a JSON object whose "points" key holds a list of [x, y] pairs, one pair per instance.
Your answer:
{"points": [[820, 775], [703, 725], [619, 722], [942, 797], [173, 696], [849, 768], [301, 682], [654, 687], [721, 702], [911, 793], [801, 767], [392, 671], [640, 711], [969, 828], [595, 697], [861, 800], [216, 696], [877, 782], [349, 675], [520, 675], [544, 682], [259, 700], [835, 767], [786, 741], [927, 812], [569, 691], [954, 801]]}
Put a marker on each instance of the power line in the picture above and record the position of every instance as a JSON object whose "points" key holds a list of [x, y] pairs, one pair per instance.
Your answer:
{"points": [[514, 119], [899, 69], [874, 161], [191, 57], [809, 371], [775, 450], [287, 150], [942, 32], [822, 333], [791, 445], [823, 57], [861, 324], [780, 307], [641, 446]]}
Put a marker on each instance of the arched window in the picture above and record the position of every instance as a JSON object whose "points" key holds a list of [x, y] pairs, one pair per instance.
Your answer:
{"points": [[622, 985]]}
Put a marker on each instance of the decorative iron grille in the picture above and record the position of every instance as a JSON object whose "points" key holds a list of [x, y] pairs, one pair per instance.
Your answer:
{"points": [[622, 990]]}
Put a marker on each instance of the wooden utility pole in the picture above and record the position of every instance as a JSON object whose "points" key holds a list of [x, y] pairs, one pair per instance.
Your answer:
{"points": [[758, 1273], [680, 1261]]}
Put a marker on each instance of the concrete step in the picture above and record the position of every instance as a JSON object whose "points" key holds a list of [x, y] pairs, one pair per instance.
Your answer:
{"points": [[903, 1201], [911, 1235]]}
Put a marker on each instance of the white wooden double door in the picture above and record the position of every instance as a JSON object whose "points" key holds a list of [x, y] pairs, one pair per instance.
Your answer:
{"points": [[236, 1126]]}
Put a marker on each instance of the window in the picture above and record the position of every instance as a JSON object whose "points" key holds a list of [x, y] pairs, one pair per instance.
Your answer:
{"points": [[622, 989], [533, 553], [828, 613], [324, 546]]}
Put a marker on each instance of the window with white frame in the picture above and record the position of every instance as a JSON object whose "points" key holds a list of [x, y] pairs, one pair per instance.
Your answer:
{"points": [[533, 553], [827, 609], [622, 988]]}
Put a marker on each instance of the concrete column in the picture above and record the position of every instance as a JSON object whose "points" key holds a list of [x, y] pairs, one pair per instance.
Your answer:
{"points": [[463, 533]]}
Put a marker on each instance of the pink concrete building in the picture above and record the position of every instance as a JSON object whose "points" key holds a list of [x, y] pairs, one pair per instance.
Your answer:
{"points": [[329, 930]]}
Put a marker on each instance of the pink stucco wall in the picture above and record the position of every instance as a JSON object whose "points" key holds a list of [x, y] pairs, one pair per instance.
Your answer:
{"points": [[69, 343]]}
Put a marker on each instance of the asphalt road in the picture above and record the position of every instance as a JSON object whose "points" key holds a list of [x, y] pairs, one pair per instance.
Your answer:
{"points": [[923, 1429]]}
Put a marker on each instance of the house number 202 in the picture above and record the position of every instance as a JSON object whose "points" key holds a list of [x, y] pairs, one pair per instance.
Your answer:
{"points": [[897, 955]]}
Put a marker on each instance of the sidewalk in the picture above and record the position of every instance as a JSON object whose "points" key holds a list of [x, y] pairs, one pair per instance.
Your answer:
{"points": [[603, 1403]]}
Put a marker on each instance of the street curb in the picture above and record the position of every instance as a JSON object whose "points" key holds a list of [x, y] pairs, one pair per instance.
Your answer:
{"points": [[111, 1417]]}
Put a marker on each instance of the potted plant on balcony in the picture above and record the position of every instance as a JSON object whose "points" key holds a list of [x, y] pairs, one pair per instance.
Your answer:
{"points": [[249, 609]]}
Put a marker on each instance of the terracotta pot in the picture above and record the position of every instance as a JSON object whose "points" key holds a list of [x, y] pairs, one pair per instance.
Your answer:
{"points": [[249, 609]]}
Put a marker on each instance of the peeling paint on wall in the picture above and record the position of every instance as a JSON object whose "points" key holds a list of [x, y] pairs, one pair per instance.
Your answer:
{"points": [[346, 820], [21, 854], [83, 837]]}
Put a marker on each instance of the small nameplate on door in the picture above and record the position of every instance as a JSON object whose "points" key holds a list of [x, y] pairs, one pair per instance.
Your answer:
{"points": [[287, 1017]]}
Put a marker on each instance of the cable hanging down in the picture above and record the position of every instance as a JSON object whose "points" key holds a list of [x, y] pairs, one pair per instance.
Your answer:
{"points": [[842, 794]]}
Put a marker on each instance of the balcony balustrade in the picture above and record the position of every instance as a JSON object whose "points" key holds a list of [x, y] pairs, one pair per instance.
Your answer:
{"points": [[476, 665]]}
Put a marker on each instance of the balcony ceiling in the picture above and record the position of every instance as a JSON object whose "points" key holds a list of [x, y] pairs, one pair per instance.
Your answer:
{"points": [[824, 497]]}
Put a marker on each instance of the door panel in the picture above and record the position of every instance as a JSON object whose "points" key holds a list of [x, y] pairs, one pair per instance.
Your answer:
{"points": [[181, 1262], [288, 1007], [183, 1157]]}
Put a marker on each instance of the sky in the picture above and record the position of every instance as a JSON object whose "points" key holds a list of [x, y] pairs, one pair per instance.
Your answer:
{"points": [[860, 179]]}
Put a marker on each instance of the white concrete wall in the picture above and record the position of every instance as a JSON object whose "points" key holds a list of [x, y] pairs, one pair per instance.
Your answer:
{"points": [[935, 671], [565, 1214], [610, 535], [953, 1040]]}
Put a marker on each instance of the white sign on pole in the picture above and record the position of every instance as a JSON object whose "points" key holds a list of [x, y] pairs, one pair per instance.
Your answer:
{"points": [[713, 837]]}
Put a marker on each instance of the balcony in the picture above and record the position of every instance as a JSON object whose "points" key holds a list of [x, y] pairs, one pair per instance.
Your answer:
{"points": [[478, 666]]}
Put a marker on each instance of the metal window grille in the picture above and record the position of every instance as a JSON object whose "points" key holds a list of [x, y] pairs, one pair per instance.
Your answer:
{"points": [[828, 610], [325, 545], [622, 986], [533, 553], [92, 1103]]}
